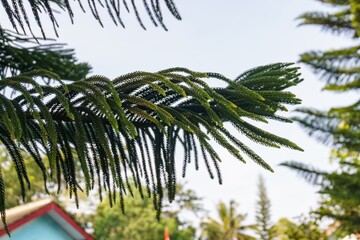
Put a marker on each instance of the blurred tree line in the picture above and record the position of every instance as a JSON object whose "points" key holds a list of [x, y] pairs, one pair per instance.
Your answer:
{"points": [[136, 219]]}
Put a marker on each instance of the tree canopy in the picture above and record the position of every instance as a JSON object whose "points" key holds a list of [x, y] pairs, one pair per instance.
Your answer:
{"points": [[284, 229], [138, 219]]}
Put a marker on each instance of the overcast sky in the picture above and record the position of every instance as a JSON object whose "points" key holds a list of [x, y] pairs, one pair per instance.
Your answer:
{"points": [[226, 37]]}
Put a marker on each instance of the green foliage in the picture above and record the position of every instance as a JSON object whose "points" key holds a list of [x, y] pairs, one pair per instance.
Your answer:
{"points": [[284, 229], [230, 225], [335, 2], [338, 127], [339, 190], [13, 191], [130, 126], [20, 53], [339, 22], [334, 66], [310, 174], [138, 222], [263, 215], [355, 12], [186, 201], [39, 189], [96, 133], [20, 19]]}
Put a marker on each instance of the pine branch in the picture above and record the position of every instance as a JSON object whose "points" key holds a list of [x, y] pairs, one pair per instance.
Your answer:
{"points": [[354, 85], [20, 53], [335, 2], [129, 127], [334, 66], [339, 127], [339, 22], [19, 18], [310, 174]]}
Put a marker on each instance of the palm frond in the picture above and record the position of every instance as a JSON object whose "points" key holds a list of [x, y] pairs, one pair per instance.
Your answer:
{"points": [[129, 127]]}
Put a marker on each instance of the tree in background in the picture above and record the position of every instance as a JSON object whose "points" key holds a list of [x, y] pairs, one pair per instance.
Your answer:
{"points": [[338, 127], [13, 191], [40, 189], [263, 214], [230, 225], [127, 127], [285, 229], [138, 221]]}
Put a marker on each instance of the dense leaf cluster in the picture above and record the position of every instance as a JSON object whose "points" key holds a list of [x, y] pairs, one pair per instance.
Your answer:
{"points": [[130, 126], [106, 132]]}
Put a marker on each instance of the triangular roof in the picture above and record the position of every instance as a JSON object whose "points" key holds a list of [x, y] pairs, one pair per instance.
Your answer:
{"points": [[20, 215]]}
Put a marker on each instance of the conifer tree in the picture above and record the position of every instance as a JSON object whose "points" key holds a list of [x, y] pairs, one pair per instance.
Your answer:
{"points": [[112, 130], [338, 127], [263, 213]]}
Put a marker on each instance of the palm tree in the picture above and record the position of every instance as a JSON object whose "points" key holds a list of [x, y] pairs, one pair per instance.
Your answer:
{"points": [[230, 225], [111, 130]]}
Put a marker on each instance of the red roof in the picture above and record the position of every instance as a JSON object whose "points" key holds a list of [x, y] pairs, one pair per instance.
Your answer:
{"points": [[20, 215]]}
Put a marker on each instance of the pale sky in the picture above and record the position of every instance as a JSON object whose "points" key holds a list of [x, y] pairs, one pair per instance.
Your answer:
{"points": [[226, 37]]}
